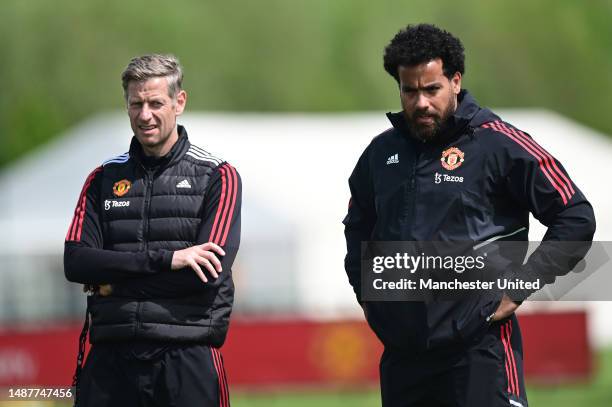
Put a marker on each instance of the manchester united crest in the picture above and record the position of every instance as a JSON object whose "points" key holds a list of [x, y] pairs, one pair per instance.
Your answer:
{"points": [[122, 187], [452, 158]]}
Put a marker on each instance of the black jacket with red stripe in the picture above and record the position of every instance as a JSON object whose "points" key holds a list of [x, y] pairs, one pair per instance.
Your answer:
{"points": [[477, 183], [133, 212]]}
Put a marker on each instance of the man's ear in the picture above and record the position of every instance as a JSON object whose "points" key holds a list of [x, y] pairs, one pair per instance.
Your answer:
{"points": [[181, 101], [456, 83]]}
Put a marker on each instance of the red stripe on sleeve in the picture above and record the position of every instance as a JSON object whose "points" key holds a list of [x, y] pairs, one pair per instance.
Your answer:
{"points": [[226, 205], [75, 217], [228, 222], [221, 202], [552, 159], [535, 155], [548, 159], [76, 226]]}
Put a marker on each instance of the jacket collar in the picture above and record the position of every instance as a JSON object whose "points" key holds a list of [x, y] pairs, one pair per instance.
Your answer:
{"points": [[177, 152], [468, 113]]}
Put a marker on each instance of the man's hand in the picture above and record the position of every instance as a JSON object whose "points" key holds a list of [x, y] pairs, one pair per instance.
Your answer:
{"points": [[105, 290], [506, 308], [200, 255], [365, 311]]}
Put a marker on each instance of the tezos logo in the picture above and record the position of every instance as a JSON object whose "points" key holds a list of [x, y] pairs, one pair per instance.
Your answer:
{"points": [[108, 203], [438, 178]]}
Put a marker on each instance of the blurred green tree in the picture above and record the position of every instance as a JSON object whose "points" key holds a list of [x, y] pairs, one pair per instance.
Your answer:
{"points": [[61, 60]]}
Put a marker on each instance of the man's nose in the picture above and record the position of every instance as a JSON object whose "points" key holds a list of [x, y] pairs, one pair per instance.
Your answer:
{"points": [[422, 103], [145, 112]]}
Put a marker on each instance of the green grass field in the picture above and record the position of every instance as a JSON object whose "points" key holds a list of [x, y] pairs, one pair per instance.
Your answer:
{"points": [[594, 393]]}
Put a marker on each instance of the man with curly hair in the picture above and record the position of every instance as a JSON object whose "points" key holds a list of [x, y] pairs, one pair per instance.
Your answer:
{"points": [[450, 171]]}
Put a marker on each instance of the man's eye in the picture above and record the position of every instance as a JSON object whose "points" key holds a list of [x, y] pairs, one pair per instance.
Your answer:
{"points": [[136, 104], [156, 104]]}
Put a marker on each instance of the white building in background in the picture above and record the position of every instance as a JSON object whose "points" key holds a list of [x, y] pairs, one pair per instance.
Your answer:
{"points": [[294, 169]]}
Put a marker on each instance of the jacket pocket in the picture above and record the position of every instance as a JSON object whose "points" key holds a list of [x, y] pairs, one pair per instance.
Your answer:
{"points": [[476, 214], [471, 319], [400, 325]]}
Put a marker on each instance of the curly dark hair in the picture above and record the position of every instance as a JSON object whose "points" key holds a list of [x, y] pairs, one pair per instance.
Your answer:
{"points": [[421, 43]]}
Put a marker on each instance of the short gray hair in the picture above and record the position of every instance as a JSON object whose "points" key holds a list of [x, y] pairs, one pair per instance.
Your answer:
{"points": [[145, 67]]}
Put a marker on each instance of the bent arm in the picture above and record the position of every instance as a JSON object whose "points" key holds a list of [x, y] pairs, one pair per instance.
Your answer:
{"points": [[359, 221], [220, 225], [85, 260], [541, 183]]}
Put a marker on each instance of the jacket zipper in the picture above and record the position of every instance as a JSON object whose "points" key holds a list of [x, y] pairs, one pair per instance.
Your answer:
{"points": [[147, 209], [412, 190], [145, 231]]}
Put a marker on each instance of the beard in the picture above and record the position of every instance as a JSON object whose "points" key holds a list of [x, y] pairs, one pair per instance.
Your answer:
{"points": [[440, 122]]}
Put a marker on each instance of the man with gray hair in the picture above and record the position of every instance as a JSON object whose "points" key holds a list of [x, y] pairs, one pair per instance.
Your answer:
{"points": [[153, 238]]}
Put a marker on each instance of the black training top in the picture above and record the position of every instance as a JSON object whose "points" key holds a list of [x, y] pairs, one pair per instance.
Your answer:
{"points": [[477, 182], [132, 214]]}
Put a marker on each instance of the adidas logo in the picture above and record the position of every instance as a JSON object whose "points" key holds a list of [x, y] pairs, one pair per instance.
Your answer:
{"points": [[394, 159], [183, 184]]}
